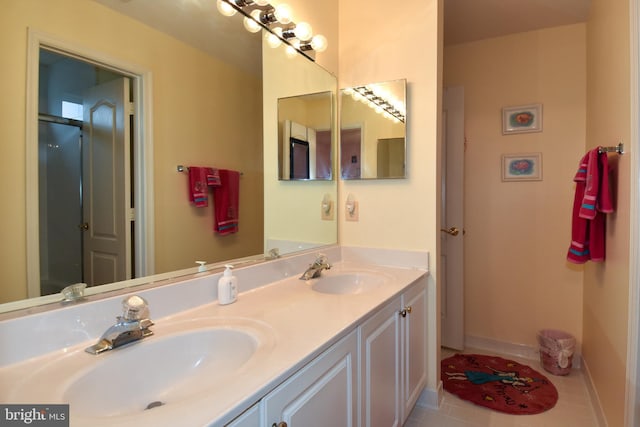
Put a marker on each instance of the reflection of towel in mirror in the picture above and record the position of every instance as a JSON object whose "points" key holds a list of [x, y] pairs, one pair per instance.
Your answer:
{"points": [[226, 199], [213, 177], [591, 202], [198, 188]]}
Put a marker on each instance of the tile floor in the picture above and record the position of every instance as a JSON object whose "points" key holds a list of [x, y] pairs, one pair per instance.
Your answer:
{"points": [[572, 410]]}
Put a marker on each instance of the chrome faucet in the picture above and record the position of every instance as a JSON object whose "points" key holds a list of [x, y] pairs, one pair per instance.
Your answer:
{"points": [[314, 270], [132, 326]]}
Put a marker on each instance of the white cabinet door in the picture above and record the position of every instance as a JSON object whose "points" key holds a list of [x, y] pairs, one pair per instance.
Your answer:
{"points": [[414, 346], [249, 418], [380, 364], [321, 394]]}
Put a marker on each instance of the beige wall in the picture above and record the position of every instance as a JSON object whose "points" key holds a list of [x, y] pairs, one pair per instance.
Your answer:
{"points": [[379, 44], [606, 286], [517, 279], [289, 209], [187, 117]]}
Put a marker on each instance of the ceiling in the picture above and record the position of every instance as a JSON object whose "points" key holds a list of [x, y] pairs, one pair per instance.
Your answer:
{"points": [[198, 23], [471, 20]]}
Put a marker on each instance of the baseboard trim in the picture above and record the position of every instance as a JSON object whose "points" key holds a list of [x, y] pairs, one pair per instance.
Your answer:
{"points": [[511, 349], [593, 396], [431, 398]]}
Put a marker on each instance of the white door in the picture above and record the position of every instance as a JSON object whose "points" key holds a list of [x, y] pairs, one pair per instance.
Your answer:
{"points": [[452, 231], [106, 183]]}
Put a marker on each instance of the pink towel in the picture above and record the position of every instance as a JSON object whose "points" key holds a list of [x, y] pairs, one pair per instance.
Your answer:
{"points": [[591, 202], [226, 198], [213, 177], [198, 186]]}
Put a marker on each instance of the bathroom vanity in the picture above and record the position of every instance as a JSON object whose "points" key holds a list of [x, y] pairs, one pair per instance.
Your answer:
{"points": [[343, 349]]}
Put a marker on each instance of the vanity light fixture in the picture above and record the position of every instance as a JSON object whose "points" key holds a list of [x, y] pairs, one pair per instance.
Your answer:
{"points": [[381, 103], [259, 14]]}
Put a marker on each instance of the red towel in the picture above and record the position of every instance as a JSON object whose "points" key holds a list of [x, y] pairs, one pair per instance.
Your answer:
{"points": [[591, 202], [213, 177], [198, 186], [226, 198]]}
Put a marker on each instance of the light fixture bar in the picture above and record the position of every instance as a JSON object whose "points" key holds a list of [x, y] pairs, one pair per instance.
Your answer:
{"points": [[376, 101], [267, 19]]}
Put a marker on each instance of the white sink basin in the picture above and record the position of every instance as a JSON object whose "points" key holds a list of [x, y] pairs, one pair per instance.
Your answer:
{"points": [[348, 282], [179, 362]]}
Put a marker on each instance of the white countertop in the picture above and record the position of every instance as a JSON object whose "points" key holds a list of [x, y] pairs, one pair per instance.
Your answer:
{"points": [[302, 322]]}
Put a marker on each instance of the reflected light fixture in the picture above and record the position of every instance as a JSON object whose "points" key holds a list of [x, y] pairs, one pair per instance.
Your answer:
{"points": [[225, 8], [259, 14], [381, 103], [274, 39]]}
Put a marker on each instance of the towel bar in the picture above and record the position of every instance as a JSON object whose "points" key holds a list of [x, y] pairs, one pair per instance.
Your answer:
{"points": [[617, 149], [182, 168]]}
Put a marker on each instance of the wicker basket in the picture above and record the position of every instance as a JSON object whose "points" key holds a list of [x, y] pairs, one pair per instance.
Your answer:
{"points": [[556, 351]]}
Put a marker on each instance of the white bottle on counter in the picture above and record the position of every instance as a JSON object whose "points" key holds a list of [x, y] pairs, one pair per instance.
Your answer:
{"points": [[227, 287]]}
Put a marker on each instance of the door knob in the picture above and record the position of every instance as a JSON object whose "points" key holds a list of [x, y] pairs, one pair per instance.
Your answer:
{"points": [[84, 226], [280, 424], [452, 231]]}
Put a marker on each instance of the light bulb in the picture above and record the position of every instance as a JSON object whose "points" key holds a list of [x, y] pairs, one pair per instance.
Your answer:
{"points": [[303, 31], [272, 39], [290, 51], [225, 8], [250, 24], [283, 13], [319, 43]]}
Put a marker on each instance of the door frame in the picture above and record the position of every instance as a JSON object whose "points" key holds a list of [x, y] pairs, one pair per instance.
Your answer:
{"points": [[142, 152], [632, 415]]}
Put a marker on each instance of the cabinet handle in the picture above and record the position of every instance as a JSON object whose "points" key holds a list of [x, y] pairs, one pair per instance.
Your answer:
{"points": [[280, 424], [405, 311]]}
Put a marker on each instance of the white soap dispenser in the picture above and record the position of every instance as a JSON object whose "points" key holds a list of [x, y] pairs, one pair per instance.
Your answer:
{"points": [[227, 287]]}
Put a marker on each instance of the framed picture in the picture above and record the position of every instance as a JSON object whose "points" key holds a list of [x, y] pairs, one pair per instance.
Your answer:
{"points": [[522, 167], [522, 119]]}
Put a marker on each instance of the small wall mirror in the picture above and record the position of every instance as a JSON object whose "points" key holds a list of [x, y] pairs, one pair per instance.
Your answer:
{"points": [[305, 135], [373, 131]]}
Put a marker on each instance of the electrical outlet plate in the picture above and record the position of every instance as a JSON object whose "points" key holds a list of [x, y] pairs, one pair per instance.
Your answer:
{"points": [[326, 214], [353, 215]]}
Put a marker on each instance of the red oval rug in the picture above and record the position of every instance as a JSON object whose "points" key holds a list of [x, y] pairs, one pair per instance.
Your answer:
{"points": [[499, 384]]}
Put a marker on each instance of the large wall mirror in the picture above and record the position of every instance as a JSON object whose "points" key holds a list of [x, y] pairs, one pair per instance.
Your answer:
{"points": [[373, 131], [192, 88]]}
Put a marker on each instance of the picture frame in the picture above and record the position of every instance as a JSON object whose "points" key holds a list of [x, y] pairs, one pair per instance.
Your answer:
{"points": [[522, 119], [522, 167]]}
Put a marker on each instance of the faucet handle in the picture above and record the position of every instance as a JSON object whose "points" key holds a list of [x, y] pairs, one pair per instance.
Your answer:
{"points": [[321, 259], [135, 308]]}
